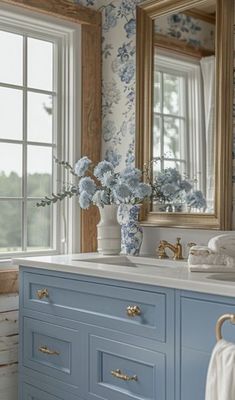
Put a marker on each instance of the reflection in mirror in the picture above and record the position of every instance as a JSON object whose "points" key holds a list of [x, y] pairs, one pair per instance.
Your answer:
{"points": [[183, 136]]}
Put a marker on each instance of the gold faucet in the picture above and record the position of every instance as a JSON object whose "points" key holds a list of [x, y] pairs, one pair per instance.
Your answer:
{"points": [[177, 249]]}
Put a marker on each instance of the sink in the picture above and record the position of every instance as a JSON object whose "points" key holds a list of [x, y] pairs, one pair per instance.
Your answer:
{"points": [[133, 261], [226, 277]]}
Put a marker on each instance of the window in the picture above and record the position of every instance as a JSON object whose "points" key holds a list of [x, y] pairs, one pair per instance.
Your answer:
{"points": [[36, 125], [170, 119], [178, 137]]}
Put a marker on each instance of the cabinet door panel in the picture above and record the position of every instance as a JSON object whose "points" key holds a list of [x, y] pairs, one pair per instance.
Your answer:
{"points": [[193, 374], [32, 393]]}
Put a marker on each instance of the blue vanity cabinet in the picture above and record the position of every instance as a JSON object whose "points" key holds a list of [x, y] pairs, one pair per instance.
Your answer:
{"points": [[94, 339], [196, 320]]}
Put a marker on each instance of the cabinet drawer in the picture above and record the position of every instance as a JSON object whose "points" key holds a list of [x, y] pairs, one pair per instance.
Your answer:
{"points": [[52, 350], [98, 304], [199, 320], [32, 393], [119, 371]]}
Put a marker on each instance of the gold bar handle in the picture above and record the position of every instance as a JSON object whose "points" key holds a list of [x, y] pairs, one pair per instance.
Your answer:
{"points": [[133, 311], [219, 323], [45, 350], [119, 375], [41, 293]]}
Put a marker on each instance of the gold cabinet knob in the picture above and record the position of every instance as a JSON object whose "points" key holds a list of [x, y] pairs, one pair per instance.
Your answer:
{"points": [[133, 311], [41, 293], [45, 350], [119, 375]]}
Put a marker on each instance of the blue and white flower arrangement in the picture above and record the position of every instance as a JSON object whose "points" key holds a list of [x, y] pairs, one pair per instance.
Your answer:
{"points": [[170, 188], [101, 185]]}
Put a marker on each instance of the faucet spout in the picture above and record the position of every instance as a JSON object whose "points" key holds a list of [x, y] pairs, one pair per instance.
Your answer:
{"points": [[176, 249]]}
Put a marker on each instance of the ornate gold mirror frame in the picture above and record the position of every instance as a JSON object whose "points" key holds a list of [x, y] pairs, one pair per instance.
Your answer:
{"points": [[146, 13], [90, 21]]}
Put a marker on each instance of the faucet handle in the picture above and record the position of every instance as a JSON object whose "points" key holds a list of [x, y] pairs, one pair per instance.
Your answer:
{"points": [[178, 239]]}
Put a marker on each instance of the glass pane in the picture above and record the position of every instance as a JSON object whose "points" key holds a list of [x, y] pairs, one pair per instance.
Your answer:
{"points": [[39, 220], [173, 94], [172, 164], [10, 226], [156, 136], [157, 91], [10, 170], [11, 65], [39, 171], [11, 117], [40, 64], [39, 118], [171, 138]]}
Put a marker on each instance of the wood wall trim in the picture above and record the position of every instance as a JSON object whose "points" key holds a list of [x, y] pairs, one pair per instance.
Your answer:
{"points": [[91, 122], [179, 46], [62, 9]]}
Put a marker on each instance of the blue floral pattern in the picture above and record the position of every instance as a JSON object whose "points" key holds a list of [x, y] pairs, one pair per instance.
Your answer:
{"points": [[131, 231]]}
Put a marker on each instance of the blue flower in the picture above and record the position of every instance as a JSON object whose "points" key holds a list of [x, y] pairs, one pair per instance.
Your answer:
{"points": [[110, 17], [101, 198], [131, 171], [122, 192], [185, 185], [127, 71], [169, 189], [82, 166], [109, 130], [108, 180], [113, 157], [130, 28], [143, 191], [196, 199], [87, 185], [102, 168], [84, 200]]}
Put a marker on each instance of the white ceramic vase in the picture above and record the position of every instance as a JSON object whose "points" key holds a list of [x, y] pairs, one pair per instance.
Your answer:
{"points": [[108, 231]]}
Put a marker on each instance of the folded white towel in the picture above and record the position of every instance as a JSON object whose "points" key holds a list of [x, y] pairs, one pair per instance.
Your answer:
{"points": [[224, 244], [203, 255], [210, 268], [220, 383]]}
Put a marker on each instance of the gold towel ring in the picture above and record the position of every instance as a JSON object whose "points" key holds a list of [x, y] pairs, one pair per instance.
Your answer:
{"points": [[219, 323]]}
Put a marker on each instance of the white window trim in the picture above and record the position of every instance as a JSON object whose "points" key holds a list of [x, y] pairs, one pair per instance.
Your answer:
{"points": [[67, 239]]}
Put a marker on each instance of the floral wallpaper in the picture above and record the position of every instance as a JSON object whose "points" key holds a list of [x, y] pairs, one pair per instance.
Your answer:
{"points": [[188, 29]]}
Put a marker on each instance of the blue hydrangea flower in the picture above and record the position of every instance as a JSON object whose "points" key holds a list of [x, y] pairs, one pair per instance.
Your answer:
{"points": [[113, 157], [185, 185], [87, 185], [122, 192], [101, 198], [109, 180], [82, 166], [131, 171], [102, 168], [143, 190], [84, 200], [196, 199]]}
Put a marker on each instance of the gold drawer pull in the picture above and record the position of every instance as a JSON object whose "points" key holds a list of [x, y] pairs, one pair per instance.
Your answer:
{"points": [[133, 311], [42, 293], [119, 375], [45, 350]]}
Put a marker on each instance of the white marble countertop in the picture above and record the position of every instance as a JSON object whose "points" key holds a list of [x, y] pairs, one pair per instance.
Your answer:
{"points": [[166, 273]]}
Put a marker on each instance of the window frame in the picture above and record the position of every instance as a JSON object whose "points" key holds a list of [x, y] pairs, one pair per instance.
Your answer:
{"points": [[67, 118]]}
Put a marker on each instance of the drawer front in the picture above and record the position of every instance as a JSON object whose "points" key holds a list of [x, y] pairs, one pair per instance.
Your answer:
{"points": [[199, 320], [52, 350], [119, 371], [32, 393], [98, 304]]}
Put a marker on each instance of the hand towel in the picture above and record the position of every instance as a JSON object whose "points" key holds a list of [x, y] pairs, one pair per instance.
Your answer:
{"points": [[224, 244], [220, 383], [203, 255]]}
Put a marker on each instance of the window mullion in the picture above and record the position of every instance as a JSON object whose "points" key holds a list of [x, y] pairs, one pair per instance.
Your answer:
{"points": [[25, 105]]}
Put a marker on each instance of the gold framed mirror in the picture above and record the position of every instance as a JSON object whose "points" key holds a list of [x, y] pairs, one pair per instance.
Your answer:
{"points": [[184, 111]]}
